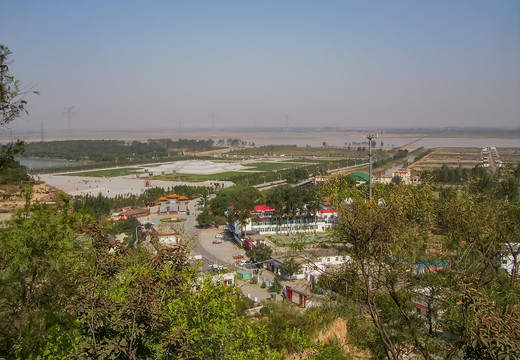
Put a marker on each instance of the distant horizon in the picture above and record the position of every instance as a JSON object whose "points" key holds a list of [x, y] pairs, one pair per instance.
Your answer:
{"points": [[265, 64], [408, 130], [314, 137]]}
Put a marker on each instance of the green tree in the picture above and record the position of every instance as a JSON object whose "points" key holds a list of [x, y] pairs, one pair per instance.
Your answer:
{"points": [[480, 229], [386, 240], [66, 295], [260, 253], [13, 101], [140, 305], [276, 286], [131, 227], [98, 206], [290, 267], [13, 105], [41, 258], [205, 218], [243, 204], [397, 249], [274, 198]]}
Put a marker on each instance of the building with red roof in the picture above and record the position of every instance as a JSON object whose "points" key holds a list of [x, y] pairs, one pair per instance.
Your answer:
{"points": [[264, 221]]}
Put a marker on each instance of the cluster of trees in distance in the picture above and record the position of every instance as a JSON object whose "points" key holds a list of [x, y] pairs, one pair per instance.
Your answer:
{"points": [[114, 150]]}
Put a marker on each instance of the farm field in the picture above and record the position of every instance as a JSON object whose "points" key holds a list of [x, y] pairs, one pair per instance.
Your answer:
{"points": [[107, 172], [271, 166], [466, 157], [197, 177]]}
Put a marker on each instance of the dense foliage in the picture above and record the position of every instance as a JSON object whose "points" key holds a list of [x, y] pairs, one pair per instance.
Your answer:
{"points": [[428, 270], [13, 105], [68, 290]]}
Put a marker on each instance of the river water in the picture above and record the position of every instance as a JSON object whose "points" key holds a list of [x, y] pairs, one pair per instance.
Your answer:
{"points": [[34, 164], [342, 140], [333, 139]]}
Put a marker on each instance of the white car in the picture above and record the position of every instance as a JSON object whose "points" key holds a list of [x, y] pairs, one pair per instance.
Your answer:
{"points": [[219, 235]]}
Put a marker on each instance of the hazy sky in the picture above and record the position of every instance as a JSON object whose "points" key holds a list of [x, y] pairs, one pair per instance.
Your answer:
{"points": [[155, 64]]}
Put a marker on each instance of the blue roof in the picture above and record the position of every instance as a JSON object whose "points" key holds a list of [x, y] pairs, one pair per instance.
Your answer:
{"points": [[441, 263]]}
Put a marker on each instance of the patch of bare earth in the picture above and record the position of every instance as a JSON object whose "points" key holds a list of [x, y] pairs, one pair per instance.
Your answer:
{"points": [[337, 331], [12, 197]]}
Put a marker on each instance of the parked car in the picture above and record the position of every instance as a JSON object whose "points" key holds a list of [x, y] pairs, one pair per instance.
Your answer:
{"points": [[219, 235], [217, 241], [238, 256]]}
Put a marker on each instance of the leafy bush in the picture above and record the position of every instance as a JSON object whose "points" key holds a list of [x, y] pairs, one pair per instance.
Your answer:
{"points": [[276, 286]]}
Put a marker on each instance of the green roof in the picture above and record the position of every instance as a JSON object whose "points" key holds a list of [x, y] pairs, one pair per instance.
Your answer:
{"points": [[360, 176]]}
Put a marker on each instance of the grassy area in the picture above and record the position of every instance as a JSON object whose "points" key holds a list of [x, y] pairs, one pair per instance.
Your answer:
{"points": [[290, 150], [283, 240], [106, 172], [169, 220], [271, 166], [198, 177]]}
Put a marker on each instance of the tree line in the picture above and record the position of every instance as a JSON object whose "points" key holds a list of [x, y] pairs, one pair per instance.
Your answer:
{"points": [[114, 150]]}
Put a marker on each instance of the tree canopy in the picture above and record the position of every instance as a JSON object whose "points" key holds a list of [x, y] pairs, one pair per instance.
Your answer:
{"points": [[428, 269], [13, 105], [69, 290]]}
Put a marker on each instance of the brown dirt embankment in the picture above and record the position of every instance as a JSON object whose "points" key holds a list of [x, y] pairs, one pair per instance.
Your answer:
{"points": [[12, 197], [337, 331]]}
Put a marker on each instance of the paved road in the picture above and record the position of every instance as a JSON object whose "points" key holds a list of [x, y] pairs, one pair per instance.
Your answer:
{"points": [[222, 254]]}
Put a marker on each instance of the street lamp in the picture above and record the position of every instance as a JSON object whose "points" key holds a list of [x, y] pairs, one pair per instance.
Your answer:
{"points": [[370, 137]]}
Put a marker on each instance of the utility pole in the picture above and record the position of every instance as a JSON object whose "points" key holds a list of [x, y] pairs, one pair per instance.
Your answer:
{"points": [[68, 112], [370, 137]]}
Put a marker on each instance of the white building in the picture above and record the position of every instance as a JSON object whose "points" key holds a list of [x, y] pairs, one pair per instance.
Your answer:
{"points": [[383, 179], [508, 260], [312, 263], [404, 174], [264, 221], [166, 237]]}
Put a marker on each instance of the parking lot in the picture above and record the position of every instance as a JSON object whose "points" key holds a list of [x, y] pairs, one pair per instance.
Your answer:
{"points": [[222, 251]]}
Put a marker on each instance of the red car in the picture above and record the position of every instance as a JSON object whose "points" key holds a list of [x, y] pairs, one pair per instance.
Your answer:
{"points": [[238, 256], [217, 241]]}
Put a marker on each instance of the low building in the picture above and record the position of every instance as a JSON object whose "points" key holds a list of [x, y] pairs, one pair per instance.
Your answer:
{"points": [[226, 278], [264, 221], [404, 174], [510, 258], [125, 214], [360, 177], [422, 268], [165, 236], [383, 179], [319, 179], [312, 263]]}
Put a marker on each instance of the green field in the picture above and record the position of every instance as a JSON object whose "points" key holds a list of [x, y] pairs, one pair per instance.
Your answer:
{"points": [[272, 166], [106, 173], [259, 167], [198, 177]]}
